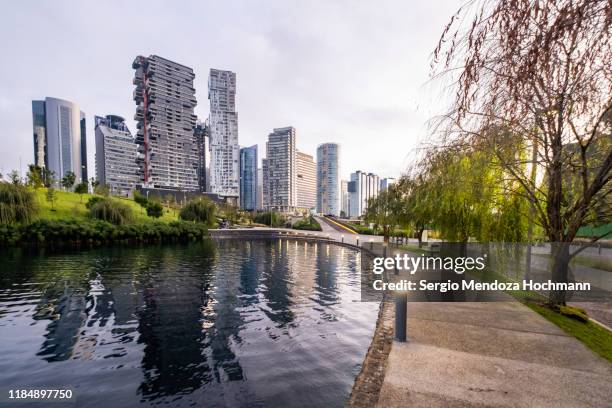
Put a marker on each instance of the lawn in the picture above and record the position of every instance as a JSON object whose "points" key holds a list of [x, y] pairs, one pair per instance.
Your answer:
{"points": [[72, 205]]}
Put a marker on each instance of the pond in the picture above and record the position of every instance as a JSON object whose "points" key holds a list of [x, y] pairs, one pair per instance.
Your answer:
{"points": [[270, 323]]}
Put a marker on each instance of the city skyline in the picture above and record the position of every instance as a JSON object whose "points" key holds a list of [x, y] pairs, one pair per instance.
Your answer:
{"points": [[315, 92]]}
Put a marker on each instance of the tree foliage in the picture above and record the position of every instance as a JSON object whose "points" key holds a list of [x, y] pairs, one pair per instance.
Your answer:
{"points": [[113, 211], [17, 204], [199, 210]]}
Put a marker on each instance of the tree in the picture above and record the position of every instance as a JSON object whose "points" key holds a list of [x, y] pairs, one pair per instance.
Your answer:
{"points": [[81, 188], [155, 209], [51, 197], [541, 71], [35, 176], [14, 177], [101, 189], [68, 180], [384, 210], [48, 177], [17, 204], [199, 210]]}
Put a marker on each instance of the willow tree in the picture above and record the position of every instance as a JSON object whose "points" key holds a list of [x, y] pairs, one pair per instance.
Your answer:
{"points": [[541, 70]]}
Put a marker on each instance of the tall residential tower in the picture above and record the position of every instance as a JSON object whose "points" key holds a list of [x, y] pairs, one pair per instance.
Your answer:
{"points": [[306, 181], [328, 179], [116, 154], [223, 122], [280, 171], [165, 100]]}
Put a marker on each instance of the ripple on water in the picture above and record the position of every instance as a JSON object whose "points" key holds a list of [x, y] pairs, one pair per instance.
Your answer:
{"points": [[238, 323]]}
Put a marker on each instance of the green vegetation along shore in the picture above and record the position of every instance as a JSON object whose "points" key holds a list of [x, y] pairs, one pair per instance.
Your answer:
{"points": [[45, 216]]}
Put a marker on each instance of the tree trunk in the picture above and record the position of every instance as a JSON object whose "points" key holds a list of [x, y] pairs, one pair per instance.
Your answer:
{"points": [[559, 272]]}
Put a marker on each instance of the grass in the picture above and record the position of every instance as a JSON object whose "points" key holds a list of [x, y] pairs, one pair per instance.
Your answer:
{"points": [[69, 205], [592, 335]]}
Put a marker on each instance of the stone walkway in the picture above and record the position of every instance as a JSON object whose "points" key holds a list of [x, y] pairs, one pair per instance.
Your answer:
{"points": [[498, 354]]}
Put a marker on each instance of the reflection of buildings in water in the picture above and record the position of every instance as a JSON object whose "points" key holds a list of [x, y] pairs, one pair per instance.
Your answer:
{"points": [[276, 281], [326, 275]]}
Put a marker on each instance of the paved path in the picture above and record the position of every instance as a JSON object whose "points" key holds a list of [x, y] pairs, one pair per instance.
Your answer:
{"points": [[491, 354]]}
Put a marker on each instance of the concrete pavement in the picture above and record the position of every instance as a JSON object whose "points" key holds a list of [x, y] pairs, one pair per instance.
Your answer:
{"points": [[491, 354]]}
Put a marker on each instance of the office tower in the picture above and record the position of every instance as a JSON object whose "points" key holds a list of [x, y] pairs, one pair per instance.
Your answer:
{"points": [[116, 153], [386, 182], [306, 181], [202, 138], [223, 121], [279, 171], [328, 179], [344, 201], [165, 99], [248, 178], [59, 137], [362, 187], [259, 189]]}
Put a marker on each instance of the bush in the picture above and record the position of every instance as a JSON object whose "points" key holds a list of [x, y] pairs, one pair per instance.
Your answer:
{"points": [[269, 218], [309, 224], [92, 201], [96, 232], [17, 204], [155, 209], [140, 199], [199, 210], [112, 211]]}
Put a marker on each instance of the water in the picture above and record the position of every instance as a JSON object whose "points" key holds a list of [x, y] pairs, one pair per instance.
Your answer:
{"points": [[270, 323]]}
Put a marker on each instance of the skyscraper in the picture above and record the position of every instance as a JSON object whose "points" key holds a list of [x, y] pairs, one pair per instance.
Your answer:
{"points": [[202, 137], [306, 181], [165, 99], [259, 189], [59, 137], [223, 121], [248, 178], [280, 171], [116, 153], [386, 182], [362, 187], [344, 200], [328, 179]]}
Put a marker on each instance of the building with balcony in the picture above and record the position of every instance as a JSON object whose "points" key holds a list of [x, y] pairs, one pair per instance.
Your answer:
{"points": [[59, 137], [165, 102], [279, 170], [223, 122], [116, 153], [328, 179], [306, 181], [362, 187]]}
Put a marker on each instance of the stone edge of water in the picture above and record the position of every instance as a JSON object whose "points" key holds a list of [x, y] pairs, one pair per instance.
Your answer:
{"points": [[369, 381]]}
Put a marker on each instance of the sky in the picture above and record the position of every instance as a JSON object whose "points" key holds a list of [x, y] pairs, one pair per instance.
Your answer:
{"points": [[352, 72]]}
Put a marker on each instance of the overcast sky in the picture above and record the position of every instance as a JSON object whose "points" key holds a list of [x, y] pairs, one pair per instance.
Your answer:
{"points": [[351, 72]]}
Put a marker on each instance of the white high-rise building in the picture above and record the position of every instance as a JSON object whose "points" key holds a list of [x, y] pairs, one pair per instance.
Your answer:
{"points": [[328, 179], [223, 122], [306, 181], [362, 187], [280, 171], [116, 153], [344, 206], [386, 182]]}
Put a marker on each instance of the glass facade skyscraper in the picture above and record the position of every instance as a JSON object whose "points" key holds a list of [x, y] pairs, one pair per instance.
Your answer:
{"points": [[328, 179], [59, 137], [248, 178]]}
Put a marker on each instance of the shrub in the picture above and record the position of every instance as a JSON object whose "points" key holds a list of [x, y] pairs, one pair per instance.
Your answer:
{"points": [[92, 201], [17, 204], [269, 218], [111, 211], [155, 209], [199, 210], [95, 232], [309, 224], [140, 199]]}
